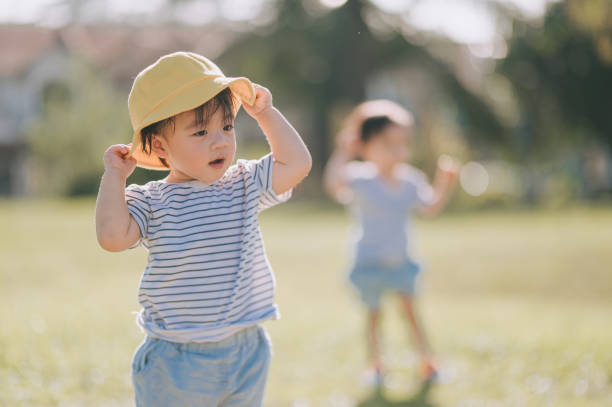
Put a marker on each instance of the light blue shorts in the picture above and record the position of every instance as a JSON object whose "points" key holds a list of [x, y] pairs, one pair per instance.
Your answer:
{"points": [[373, 280], [231, 372]]}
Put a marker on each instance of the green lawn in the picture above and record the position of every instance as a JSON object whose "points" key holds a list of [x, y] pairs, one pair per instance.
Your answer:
{"points": [[518, 307]]}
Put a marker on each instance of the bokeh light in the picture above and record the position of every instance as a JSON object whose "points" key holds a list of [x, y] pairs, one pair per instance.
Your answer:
{"points": [[474, 178]]}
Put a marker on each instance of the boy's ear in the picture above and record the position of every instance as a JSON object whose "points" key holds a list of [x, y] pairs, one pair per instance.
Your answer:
{"points": [[159, 146]]}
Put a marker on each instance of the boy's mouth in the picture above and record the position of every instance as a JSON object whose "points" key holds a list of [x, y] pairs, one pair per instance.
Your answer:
{"points": [[217, 164]]}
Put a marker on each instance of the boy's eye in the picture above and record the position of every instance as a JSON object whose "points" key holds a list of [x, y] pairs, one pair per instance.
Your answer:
{"points": [[228, 127], [200, 133]]}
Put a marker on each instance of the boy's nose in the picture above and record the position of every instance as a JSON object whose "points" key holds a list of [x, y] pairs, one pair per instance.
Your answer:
{"points": [[219, 140]]}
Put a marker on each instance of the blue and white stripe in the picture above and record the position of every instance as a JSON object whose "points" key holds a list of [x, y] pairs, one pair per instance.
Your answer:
{"points": [[207, 274]]}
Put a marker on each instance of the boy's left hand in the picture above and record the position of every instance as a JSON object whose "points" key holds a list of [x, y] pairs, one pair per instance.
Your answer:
{"points": [[448, 168], [263, 101]]}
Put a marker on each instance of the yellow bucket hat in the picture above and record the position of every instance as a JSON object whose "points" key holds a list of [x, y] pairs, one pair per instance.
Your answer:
{"points": [[177, 83]]}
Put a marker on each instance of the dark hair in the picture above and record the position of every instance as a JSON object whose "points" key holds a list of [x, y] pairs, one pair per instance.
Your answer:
{"points": [[373, 126], [224, 100]]}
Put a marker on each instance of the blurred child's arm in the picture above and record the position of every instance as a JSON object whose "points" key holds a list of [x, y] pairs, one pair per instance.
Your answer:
{"points": [[115, 228], [334, 177], [292, 161], [444, 181]]}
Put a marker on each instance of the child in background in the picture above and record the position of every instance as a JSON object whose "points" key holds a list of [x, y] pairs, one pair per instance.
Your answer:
{"points": [[207, 284], [382, 192]]}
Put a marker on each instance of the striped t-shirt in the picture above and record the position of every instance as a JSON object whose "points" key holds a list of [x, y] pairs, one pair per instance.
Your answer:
{"points": [[207, 274]]}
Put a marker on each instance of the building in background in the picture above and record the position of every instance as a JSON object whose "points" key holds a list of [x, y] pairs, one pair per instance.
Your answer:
{"points": [[35, 65]]}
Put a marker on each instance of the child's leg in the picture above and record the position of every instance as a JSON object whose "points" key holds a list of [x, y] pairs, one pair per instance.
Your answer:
{"points": [[373, 338], [367, 282], [419, 335]]}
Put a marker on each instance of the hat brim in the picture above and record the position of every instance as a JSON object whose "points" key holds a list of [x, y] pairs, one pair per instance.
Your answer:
{"points": [[185, 100]]}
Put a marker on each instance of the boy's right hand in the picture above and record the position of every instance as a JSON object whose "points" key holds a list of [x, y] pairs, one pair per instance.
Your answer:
{"points": [[348, 143], [116, 160]]}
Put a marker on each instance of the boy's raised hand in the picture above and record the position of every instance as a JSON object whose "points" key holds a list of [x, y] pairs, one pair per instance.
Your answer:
{"points": [[263, 101], [448, 168], [116, 160], [444, 181], [348, 144], [292, 161]]}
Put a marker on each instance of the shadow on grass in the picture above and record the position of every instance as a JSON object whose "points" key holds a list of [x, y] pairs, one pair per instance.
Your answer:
{"points": [[418, 400]]}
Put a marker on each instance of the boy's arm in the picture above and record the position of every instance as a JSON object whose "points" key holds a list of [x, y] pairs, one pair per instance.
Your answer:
{"points": [[334, 177], [116, 230], [444, 181], [292, 160]]}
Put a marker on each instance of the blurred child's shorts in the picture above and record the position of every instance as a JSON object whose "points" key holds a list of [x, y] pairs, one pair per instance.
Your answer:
{"points": [[373, 280], [231, 372]]}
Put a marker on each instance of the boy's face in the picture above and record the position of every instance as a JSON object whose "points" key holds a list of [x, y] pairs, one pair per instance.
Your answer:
{"points": [[388, 148], [195, 152]]}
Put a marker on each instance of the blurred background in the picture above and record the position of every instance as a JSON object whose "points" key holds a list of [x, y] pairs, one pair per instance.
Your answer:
{"points": [[520, 87], [518, 284]]}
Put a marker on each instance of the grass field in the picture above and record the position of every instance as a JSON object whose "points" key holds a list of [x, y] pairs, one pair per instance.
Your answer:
{"points": [[518, 307]]}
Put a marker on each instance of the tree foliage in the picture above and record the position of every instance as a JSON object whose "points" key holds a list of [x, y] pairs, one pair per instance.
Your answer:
{"points": [[324, 60], [561, 72], [79, 119]]}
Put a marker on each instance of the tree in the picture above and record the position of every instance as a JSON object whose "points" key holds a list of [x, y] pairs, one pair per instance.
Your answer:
{"points": [[333, 55], [80, 118], [561, 73]]}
